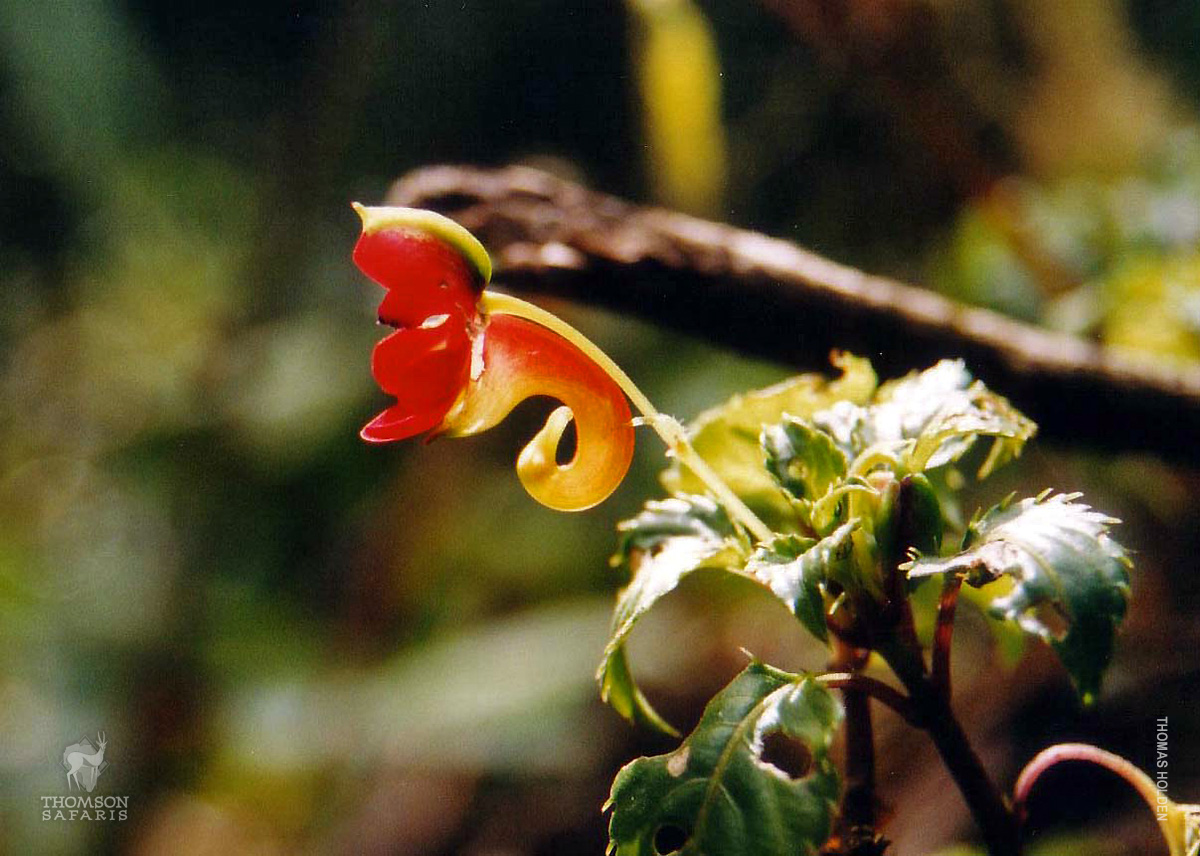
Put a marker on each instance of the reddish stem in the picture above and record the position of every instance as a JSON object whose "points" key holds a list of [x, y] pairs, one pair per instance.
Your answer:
{"points": [[997, 823], [1047, 758], [857, 821], [943, 634], [876, 689]]}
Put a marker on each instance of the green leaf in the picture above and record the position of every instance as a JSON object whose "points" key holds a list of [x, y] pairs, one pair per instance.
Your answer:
{"points": [[663, 519], [722, 790], [964, 418], [618, 688], [929, 419], [727, 436], [670, 539], [1070, 579], [795, 570], [804, 461], [1010, 640]]}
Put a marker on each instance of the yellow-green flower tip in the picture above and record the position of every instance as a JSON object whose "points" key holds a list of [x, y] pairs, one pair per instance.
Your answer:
{"points": [[378, 217]]}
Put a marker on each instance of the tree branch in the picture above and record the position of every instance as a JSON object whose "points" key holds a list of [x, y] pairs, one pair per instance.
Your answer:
{"points": [[772, 299]]}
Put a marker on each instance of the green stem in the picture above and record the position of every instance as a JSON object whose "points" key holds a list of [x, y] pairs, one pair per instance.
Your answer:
{"points": [[667, 427]]}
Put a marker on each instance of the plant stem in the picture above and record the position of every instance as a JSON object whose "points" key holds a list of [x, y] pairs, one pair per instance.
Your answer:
{"points": [[876, 689], [856, 824], [929, 694], [1173, 819], [667, 427], [943, 634], [858, 803], [997, 823], [1048, 758]]}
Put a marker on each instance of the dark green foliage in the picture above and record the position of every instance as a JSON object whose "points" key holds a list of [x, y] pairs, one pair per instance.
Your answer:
{"points": [[1071, 580], [795, 569], [719, 791], [846, 487]]}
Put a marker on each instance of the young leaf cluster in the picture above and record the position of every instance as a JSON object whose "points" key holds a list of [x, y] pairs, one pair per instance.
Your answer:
{"points": [[851, 476]]}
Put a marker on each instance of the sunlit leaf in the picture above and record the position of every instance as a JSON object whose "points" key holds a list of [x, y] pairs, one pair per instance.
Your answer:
{"points": [[670, 539], [727, 436], [804, 461], [1070, 579], [795, 570], [754, 778], [929, 419]]}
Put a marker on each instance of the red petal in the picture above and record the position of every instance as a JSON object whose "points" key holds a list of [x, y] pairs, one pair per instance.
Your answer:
{"points": [[396, 423], [424, 275], [426, 369]]}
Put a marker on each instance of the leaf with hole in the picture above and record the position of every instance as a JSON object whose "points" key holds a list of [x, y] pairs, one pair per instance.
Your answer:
{"points": [[1070, 579], [670, 539], [753, 779]]}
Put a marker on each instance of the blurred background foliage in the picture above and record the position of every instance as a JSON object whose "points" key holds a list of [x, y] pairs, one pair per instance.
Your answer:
{"points": [[297, 643]]}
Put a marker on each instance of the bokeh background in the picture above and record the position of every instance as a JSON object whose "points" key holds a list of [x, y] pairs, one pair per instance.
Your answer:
{"points": [[296, 643]]}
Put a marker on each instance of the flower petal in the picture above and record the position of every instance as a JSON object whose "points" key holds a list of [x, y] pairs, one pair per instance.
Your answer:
{"points": [[522, 359], [426, 369], [398, 423], [423, 274]]}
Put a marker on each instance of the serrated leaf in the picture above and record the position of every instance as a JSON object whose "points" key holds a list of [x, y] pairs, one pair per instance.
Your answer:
{"points": [[930, 418], [720, 789], [670, 539], [1070, 579], [794, 569], [727, 436], [964, 418], [804, 461], [662, 519]]}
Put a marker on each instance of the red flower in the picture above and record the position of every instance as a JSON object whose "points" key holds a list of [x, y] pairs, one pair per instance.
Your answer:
{"points": [[456, 369]]}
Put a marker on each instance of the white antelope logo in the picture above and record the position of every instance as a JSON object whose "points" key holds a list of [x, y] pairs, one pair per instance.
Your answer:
{"points": [[83, 757]]}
